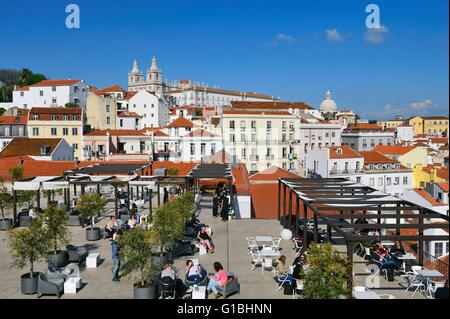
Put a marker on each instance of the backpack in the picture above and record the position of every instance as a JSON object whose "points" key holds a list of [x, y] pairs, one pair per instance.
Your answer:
{"points": [[288, 289]]}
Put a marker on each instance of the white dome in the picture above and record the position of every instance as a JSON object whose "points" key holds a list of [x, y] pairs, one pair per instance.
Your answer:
{"points": [[328, 105]]}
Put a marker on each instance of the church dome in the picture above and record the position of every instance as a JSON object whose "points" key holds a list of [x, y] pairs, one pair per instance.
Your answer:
{"points": [[328, 105]]}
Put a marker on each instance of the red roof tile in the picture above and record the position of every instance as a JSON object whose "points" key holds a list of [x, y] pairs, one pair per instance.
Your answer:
{"points": [[443, 186], [29, 146], [269, 105], [13, 120], [345, 152], [393, 149], [113, 88], [181, 122], [128, 114], [425, 195], [364, 127], [239, 112], [114, 133], [372, 157], [272, 174]]}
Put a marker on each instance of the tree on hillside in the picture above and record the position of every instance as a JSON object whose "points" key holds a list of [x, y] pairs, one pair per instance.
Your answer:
{"points": [[34, 78]]}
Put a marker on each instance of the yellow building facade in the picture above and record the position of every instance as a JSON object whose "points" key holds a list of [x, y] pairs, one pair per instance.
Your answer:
{"points": [[101, 111], [58, 122], [429, 125]]}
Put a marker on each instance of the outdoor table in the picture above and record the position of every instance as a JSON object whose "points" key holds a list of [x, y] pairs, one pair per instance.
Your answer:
{"points": [[268, 255], [405, 257], [387, 243], [427, 275], [263, 238], [369, 294]]}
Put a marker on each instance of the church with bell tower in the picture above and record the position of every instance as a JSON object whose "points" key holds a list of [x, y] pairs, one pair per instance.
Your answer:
{"points": [[153, 81]]}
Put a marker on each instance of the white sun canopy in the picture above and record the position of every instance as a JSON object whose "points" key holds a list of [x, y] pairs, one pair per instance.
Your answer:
{"points": [[55, 185], [26, 186]]}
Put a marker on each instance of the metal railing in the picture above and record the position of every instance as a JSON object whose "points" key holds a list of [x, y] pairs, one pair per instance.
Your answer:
{"points": [[432, 262]]}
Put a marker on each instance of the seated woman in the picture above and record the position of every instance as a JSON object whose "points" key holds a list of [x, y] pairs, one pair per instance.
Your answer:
{"points": [[205, 239], [134, 211], [217, 281], [131, 222], [397, 249], [299, 266], [194, 273], [111, 227], [283, 271]]}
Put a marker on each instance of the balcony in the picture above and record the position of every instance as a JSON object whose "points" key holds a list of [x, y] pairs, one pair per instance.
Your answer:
{"points": [[270, 157], [254, 157], [167, 153], [346, 172]]}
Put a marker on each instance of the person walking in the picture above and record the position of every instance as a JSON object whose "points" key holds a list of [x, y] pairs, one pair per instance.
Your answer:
{"points": [[225, 208], [166, 196], [115, 252]]}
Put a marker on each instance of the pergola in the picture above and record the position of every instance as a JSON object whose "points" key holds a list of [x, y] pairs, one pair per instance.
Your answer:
{"points": [[339, 203], [133, 176], [213, 171]]}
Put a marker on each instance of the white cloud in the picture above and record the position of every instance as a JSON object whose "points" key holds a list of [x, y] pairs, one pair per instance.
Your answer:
{"points": [[420, 105], [281, 38], [333, 35], [391, 109], [376, 35]]}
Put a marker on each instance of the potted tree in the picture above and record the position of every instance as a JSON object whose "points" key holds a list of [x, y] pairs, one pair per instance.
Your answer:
{"points": [[6, 201], [327, 276], [27, 246], [168, 225], [136, 250], [90, 206], [58, 234]]}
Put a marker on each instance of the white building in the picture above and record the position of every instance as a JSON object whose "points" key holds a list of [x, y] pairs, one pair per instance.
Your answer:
{"points": [[405, 132], [386, 174], [335, 162], [262, 139], [369, 168], [200, 146], [128, 120], [51, 93], [154, 110]]}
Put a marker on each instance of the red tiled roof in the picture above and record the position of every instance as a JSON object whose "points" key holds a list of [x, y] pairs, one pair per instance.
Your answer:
{"points": [[269, 105], [240, 175], [364, 127], [443, 186], [33, 168], [372, 157], [444, 147], [421, 144], [439, 140], [11, 120], [184, 168], [128, 95], [272, 174], [346, 152], [159, 133], [181, 122], [24, 88], [56, 82], [114, 133], [222, 157], [29, 146], [113, 88], [45, 113], [200, 132], [128, 114], [393, 149], [424, 194]]}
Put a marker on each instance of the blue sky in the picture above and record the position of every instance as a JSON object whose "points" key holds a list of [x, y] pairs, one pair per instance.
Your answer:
{"points": [[293, 49]]}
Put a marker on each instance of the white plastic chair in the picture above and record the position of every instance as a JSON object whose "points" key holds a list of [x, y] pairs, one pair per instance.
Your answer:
{"points": [[433, 286], [257, 260], [276, 243], [251, 245], [297, 248], [415, 280]]}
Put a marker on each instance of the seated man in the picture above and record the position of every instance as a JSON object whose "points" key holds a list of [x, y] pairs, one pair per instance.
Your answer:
{"points": [[382, 257], [111, 227], [169, 272]]}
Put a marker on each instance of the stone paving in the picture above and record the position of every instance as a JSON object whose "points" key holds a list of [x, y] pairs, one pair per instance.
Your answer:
{"points": [[231, 251]]}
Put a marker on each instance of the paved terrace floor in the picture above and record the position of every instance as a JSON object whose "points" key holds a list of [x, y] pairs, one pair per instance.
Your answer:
{"points": [[231, 251]]}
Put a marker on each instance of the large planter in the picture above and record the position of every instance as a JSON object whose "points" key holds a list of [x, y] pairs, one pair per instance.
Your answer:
{"points": [[29, 285], [6, 224], [61, 259], [93, 234], [149, 292], [25, 221], [73, 220]]}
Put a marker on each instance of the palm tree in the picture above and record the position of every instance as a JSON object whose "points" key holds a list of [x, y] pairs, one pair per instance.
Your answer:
{"points": [[25, 73]]}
